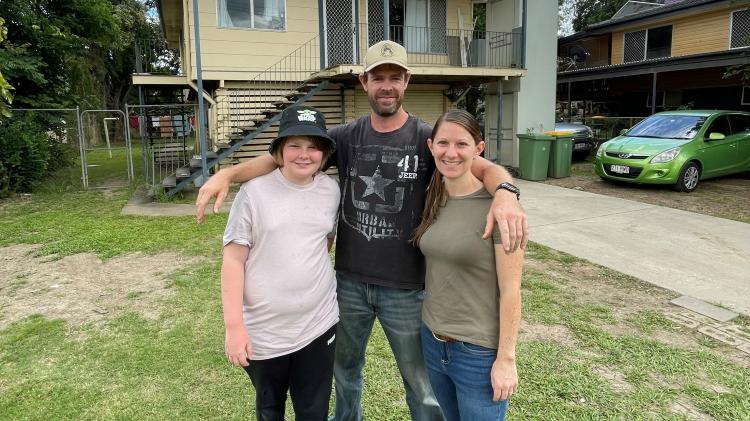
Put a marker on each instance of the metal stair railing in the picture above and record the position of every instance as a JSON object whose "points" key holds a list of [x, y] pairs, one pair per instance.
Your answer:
{"points": [[268, 90], [233, 147], [243, 117]]}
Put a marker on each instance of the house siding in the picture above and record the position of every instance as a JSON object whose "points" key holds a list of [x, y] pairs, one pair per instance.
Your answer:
{"points": [[695, 34], [237, 53]]}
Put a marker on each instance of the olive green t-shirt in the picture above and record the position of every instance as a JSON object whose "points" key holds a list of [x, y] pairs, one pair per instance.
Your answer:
{"points": [[462, 296]]}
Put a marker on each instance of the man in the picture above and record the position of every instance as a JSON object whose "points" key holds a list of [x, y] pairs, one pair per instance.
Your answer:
{"points": [[384, 168]]}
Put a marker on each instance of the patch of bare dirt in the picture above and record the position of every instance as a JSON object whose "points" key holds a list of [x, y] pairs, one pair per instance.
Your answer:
{"points": [[725, 197], [684, 408], [82, 288], [625, 297], [614, 378], [558, 334]]}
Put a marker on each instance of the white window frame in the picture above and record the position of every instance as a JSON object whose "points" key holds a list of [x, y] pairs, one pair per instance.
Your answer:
{"points": [[252, 19], [731, 28], [645, 43]]}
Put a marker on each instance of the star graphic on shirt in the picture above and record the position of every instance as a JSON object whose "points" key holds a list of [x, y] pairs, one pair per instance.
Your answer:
{"points": [[375, 184]]}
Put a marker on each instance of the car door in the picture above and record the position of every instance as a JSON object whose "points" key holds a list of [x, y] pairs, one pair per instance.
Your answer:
{"points": [[718, 156], [741, 129]]}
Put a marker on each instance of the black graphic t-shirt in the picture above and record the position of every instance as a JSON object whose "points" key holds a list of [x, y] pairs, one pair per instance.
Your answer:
{"points": [[383, 178]]}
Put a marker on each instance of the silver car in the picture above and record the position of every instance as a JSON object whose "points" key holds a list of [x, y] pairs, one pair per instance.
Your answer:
{"points": [[583, 137]]}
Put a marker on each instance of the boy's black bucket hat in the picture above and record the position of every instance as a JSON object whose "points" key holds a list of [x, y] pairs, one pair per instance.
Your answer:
{"points": [[301, 120]]}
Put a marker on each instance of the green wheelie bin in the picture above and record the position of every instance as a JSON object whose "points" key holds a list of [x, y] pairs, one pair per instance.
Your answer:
{"points": [[561, 154], [533, 151]]}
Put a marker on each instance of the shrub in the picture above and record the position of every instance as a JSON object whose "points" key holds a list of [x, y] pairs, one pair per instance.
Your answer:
{"points": [[27, 154]]}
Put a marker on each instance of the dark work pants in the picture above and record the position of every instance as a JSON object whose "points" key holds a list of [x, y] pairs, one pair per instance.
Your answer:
{"points": [[307, 375]]}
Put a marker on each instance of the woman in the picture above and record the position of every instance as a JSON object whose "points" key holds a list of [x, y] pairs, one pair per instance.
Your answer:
{"points": [[472, 305]]}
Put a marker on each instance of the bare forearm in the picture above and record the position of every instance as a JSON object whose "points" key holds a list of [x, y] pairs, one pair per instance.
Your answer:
{"points": [[232, 290], [509, 268], [510, 318]]}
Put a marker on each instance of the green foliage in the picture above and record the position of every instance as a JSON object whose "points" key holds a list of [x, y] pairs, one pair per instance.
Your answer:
{"points": [[6, 98], [589, 12], [29, 151], [63, 53], [23, 155]]}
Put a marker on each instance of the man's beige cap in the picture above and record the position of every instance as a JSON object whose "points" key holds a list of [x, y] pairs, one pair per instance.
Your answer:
{"points": [[385, 52]]}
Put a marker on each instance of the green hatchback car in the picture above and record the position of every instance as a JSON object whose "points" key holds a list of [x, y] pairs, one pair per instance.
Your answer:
{"points": [[678, 148]]}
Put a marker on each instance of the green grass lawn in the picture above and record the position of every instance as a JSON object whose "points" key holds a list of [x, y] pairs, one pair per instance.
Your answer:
{"points": [[173, 367]]}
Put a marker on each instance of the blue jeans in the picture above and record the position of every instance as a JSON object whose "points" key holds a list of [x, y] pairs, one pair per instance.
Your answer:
{"points": [[460, 376], [400, 315]]}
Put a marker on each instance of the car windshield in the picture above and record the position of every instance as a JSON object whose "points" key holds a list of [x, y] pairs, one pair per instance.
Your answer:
{"points": [[668, 127]]}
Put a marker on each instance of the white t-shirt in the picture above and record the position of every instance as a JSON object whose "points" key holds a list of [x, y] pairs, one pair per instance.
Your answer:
{"points": [[290, 285]]}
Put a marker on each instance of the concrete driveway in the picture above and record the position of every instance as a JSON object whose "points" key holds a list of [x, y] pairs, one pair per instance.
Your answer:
{"points": [[701, 256]]}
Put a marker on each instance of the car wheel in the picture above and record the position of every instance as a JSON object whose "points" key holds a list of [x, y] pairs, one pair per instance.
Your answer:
{"points": [[689, 177]]}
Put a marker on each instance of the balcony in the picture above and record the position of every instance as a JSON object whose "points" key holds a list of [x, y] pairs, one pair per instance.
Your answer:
{"points": [[155, 64], [428, 46]]}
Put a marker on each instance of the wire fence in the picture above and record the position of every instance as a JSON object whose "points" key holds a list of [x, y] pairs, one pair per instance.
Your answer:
{"points": [[97, 142], [168, 141]]}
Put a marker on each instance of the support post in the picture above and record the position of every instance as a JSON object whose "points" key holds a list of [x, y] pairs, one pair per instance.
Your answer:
{"points": [[201, 106], [499, 119], [386, 21], [570, 102], [653, 94], [323, 38]]}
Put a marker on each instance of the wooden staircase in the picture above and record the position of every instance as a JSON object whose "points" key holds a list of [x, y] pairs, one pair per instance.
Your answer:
{"points": [[246, 115]]}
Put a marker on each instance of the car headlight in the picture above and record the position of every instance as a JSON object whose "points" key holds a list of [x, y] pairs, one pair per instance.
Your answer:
{"points": [[666, 156], [600, 150]]}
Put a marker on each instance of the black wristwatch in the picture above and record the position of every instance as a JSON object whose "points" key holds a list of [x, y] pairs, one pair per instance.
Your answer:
{"points": [[511, 188]]}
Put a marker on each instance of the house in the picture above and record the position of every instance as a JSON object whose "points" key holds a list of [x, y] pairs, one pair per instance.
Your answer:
{"points": [[656, 55], [260, 56]]}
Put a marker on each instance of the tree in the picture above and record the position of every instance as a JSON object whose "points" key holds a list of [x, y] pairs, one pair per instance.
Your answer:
{"points": [[6, 98], [589, 12]]}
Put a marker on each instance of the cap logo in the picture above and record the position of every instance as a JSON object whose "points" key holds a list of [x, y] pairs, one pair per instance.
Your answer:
{"points": [[306, 115], [386, 51]]}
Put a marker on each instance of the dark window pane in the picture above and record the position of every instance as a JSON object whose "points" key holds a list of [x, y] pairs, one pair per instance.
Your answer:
{"points": [[659, 42], [720, 125], [740, 123], [235, 13]]}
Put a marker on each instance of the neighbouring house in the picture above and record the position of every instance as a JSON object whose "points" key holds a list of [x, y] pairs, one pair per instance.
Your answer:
{"points": [[656, 55], [260, 56]]}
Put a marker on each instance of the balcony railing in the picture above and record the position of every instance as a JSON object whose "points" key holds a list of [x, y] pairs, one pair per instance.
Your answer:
{"points": [[152, 56], [347, 44]]}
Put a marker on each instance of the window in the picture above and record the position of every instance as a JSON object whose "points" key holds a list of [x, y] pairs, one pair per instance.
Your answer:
{"points": [[740, 123], [659, 42], [647, 44], [745, 96], [256, 14], [719, 125], [740, 31], [419, 25]]}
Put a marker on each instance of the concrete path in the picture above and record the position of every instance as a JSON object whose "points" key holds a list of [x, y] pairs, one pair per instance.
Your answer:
{"points": [[696, 255]]}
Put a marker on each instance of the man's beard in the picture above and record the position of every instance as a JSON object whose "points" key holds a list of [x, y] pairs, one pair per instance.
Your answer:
{"points": [[384, 111]]}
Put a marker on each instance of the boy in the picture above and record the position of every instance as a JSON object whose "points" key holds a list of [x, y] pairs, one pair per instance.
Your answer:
{"points": [[277, 283]]}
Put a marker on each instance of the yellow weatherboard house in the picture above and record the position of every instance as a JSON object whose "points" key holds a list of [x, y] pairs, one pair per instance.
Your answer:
{"points": [[261, 56]]}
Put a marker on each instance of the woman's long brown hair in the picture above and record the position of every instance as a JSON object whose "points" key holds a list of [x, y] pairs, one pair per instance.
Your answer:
{"points": [[437, 195]]}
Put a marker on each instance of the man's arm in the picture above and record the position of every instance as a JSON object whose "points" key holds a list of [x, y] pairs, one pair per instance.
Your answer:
{"points": [[505, 209], [504, 375], [218, 185]]}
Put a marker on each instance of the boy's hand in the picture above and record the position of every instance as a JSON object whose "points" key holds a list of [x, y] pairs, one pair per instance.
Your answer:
{"points": [[237, 346], [217, 186]]}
